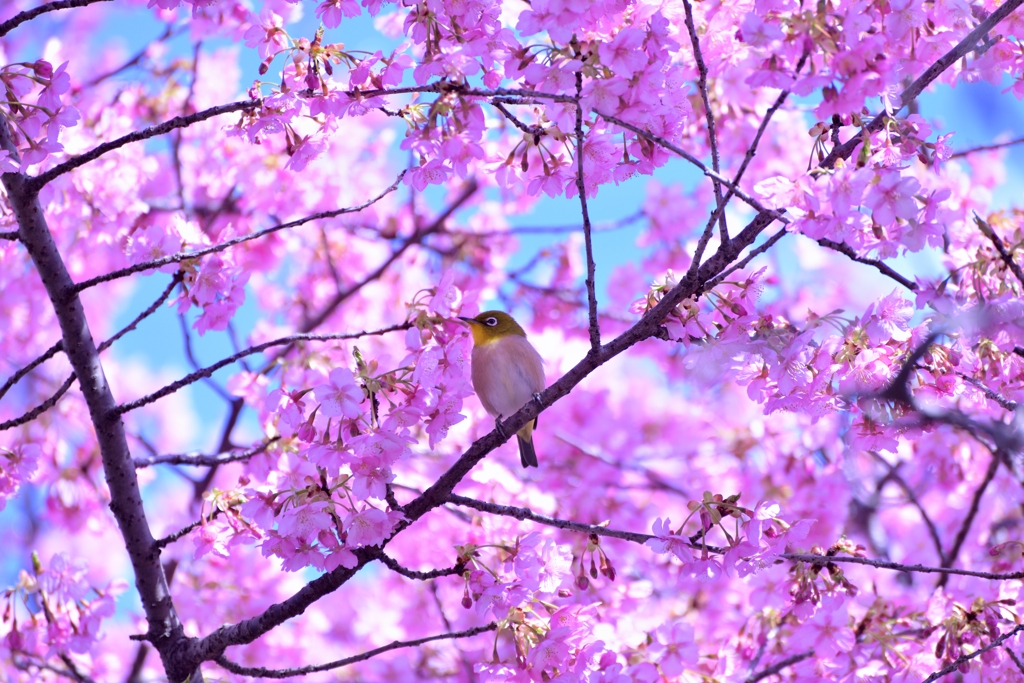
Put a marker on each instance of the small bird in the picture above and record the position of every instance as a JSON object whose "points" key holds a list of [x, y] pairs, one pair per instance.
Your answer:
{"points": [[507, 372]]}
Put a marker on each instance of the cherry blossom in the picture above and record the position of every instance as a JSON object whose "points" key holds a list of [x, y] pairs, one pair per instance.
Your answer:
{"points": [[777, 296]]}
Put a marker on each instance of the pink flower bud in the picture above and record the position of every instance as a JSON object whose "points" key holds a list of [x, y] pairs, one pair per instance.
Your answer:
{"points": [[43, 68]]}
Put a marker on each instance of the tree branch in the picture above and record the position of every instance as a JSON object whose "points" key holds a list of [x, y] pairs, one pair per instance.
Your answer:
{"points": [[709, 115], [189, 255], [186, 342], [972, 512], [20, 18], [125, 497], [962, 659], [778, 666], [145, 314], [894, 475], [779, 101], [1016, 660], [595, 330], [185, 530], [46, 355], [924, 80], [899, 567], [986, 148], [747, 158], [420, 576], [298, 671], [515, 121], [525, 514], [201, 460], [41, 408], [1004, 403], [754, 253], [59, 346], [710, 173], [259, 348], [33, 185], [138, 57], [438, 223], [848, 251], [213, 645], [28, 661], [997, 241]]}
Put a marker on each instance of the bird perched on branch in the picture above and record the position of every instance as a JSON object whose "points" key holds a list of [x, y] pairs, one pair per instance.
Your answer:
{"points": [[507, 372]]}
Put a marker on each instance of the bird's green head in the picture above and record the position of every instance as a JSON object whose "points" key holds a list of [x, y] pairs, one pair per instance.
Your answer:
{"points": [[492, 325]]}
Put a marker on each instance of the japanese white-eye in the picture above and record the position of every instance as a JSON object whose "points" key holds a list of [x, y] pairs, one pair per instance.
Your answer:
{"points": [[507, 372]]}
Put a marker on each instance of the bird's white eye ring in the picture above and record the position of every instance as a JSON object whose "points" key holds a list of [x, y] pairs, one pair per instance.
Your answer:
{"points": [[491, 322]]}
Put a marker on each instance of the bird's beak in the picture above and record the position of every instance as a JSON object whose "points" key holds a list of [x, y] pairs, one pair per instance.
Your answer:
{"points": [[468, 321]]}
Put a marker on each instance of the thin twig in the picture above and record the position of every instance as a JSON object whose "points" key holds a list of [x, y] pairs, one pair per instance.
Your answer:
{"points": [[710, 173], [36, 183], [41, 408], [52, 401], [29, 660], [986, 148], [186, 342], [46, 355], [747, 158], [138, 57], [1004, 403], [965, 526], [468, 190], [768, 244], [1016, 660], [894, 475], [543, 229], [997, 241], [28, 15], [298, 671], [535, 130], [779, 101], [420, 576], [925, 79], [595, 330], [259, 348], [12, 234], [526, 514], [779, 666], [964, 658], [897, 566], [145, 314], [189, 255], [185, 531], [702, 86], [848, 251], [202, 460]]}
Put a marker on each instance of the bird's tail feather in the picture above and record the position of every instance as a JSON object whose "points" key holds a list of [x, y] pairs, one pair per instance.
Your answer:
{"points": [[527, 454]]}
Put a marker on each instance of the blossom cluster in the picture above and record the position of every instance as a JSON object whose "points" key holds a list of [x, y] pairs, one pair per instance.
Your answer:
{"points": [[820, 435]]}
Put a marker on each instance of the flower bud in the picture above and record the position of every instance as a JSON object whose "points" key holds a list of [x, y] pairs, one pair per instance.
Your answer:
{"points": [[43, 68]]}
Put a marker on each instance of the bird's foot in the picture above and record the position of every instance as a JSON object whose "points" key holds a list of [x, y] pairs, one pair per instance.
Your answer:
{"points": [[536, 397], [498, 428]]}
